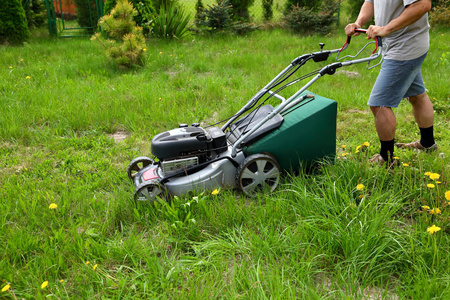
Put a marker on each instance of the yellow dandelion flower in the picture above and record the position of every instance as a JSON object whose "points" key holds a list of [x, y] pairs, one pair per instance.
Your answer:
{"points": [[40, 69], [344, 154], [28, 77], [94, 267], [425, 207], [360, 187], [5, 288], [405, 165], [433, 229], [437, 182], [396, 157], [52, 206], [44, 284], [10, 67], [61, 281], [434, 176], [366, 144], [435, 211], [447, 195], [21, 59], [160, 52], [145, 49], [87, 262], [215, 192], [344, 146], [427, 173], [353, 205], [431, 186], [357, 148]]}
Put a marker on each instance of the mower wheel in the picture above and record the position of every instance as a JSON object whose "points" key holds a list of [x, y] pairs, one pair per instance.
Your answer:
{"points": [[138, 164], [149, 191], [258, 173]]}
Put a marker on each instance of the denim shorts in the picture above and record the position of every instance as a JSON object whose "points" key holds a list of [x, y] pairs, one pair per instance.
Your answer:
{"points": [[398, 79]]}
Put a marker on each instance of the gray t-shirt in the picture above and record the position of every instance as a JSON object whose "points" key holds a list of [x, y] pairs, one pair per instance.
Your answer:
{"points": [[407, 43]]}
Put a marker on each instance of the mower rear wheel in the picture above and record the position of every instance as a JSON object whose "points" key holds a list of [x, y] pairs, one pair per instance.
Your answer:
{"points": [[149, 191], [138, 164], [258, 173]]}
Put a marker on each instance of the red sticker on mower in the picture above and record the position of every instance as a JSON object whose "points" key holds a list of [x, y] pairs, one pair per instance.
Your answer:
{"points": [[150, 174]]}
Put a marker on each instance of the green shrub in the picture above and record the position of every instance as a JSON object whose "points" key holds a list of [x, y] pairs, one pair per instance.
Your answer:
{"points": [[307, 21], [199, 7], [240, 9], [313, 5], [354, 8], [267, 9], [158, 3], [142, 7], [217, 18], [87, 14], [171, 22], [126, 43], [35, 13], [440, 14], [13, 23]]}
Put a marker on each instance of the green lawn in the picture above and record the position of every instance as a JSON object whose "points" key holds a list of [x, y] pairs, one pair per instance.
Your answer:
{"points": [[70, 123]]}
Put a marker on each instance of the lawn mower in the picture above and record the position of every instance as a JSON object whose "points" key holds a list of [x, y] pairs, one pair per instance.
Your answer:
{"points": [[255, 146]]}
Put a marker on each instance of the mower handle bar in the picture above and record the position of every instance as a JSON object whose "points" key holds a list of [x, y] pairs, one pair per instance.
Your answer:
{"points": [[316, 56]]}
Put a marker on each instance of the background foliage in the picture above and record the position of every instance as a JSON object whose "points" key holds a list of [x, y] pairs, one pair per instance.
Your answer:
{"points": [[13, 23]]}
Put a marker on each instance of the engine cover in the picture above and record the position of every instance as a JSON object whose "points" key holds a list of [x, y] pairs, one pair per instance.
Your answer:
{"points": [[180, 142]]}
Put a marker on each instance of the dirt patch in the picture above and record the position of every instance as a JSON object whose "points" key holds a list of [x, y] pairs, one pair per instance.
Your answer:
{"points": [[349, 74], [119, 136]]}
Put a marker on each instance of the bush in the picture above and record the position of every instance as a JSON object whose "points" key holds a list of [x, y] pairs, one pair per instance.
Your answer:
{"points": [[35, 13], [267, 9], [440, 14], [240, 9], [313, 5], [307, 21], [13, 23], [87, 14], [355, 7], [215, 17], [143, 7], [170, 22], [218, 18], [126, 43]]}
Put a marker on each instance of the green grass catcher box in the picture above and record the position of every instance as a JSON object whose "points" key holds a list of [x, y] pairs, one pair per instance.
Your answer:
{"points": [[307, 134]]}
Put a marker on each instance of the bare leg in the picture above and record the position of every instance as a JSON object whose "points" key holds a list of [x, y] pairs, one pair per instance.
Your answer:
{"points": [[385, 122], [422, 110]]}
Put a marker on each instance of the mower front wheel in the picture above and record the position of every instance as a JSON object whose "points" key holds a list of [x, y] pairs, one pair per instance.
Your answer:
{"points": [[149, 191], [138, 164], [258, 173]]}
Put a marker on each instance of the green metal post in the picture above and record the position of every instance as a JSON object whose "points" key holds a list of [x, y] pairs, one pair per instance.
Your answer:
{"points": [[51, 17]]}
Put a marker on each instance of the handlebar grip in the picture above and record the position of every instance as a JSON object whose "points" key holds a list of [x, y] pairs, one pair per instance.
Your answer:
{"points": [[361, 30], [379, 42]]}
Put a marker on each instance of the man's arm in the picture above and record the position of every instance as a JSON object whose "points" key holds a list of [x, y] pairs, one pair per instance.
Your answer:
{"points": [[365, 15], [411, 14]]}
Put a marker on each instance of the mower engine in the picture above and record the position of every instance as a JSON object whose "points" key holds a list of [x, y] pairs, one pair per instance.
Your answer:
{"points": [[187, 146]]}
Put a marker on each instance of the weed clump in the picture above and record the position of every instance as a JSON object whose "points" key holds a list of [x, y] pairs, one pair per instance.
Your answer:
{"points": [[124, 42]]}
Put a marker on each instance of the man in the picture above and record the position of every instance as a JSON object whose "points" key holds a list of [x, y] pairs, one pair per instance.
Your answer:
{"points": [[403, 25]]}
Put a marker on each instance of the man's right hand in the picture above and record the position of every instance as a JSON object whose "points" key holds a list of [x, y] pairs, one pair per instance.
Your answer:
{"points": [[350, 29]]}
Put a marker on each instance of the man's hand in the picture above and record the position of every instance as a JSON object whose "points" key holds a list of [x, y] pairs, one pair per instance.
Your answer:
{"points": [[350, 29], [374, 31]]}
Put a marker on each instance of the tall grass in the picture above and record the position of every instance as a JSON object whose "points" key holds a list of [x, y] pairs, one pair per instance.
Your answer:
{"points": [[344, 230]]}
